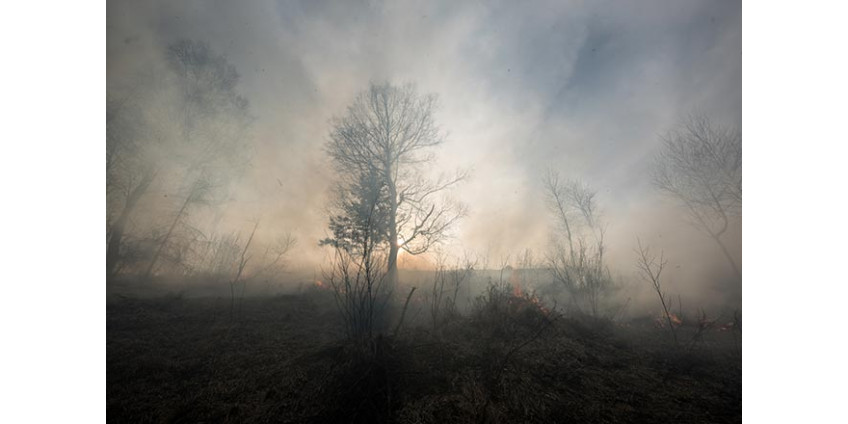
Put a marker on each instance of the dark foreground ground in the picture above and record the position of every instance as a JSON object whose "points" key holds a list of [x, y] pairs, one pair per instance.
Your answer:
{"points": [[283, 359]]}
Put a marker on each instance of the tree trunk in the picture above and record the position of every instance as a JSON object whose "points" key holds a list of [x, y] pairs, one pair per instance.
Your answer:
{"points": [[113, 250], [392, 271], [392, 276]]}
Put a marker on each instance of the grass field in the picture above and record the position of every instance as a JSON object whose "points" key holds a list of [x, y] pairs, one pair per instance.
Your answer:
{"points": [[285, 359]]}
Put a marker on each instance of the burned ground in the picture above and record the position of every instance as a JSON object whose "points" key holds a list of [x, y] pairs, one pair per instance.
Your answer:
{"points": [[285, 359]]}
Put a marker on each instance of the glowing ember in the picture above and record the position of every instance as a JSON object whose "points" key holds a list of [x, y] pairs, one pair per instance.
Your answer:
{"points": [[662, 322]]}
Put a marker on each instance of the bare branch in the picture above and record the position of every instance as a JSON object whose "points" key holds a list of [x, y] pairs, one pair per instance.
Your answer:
{"points": [[651, 268], [378, 148], [700, 165]]}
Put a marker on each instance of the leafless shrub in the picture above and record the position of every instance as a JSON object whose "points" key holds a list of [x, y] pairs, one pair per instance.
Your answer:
{"points": [[242, 263], [357, 282], [358, 276], [508, 313], [702, 326], [272, 261], [576, 260], [217, 256], [651, 268], [447, 282]]}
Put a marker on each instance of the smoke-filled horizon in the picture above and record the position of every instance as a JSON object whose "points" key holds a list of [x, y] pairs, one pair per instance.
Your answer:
{"points": [[586, 89]]}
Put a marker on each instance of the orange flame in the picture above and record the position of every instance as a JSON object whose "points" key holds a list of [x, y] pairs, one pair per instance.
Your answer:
{"points": [[662, 322], [675, 320]]}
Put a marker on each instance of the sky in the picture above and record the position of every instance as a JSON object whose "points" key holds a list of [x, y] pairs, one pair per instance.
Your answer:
{"points": [[584, 88]]}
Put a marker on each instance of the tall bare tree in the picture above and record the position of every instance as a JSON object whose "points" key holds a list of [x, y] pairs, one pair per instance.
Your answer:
{"points": [[129, 173], [212, 118], [183, 129], [379, 148], [577, 257], [700, 165]]}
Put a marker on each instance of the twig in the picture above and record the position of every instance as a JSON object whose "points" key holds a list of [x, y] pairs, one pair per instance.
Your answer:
{"points": [[403, 313]]}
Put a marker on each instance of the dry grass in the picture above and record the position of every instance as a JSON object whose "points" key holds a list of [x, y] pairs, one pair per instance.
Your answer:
{"points": [[175, 359]]}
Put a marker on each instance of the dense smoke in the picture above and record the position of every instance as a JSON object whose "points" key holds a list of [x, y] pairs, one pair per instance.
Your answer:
{"points": [[585, 89]]}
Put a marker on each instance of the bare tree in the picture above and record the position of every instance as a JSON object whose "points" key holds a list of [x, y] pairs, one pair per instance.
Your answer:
{"points": [[129, 170], [381, 145], [700, 165], [651, 268], [182, 131], [577, 257], [211, 120]]}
